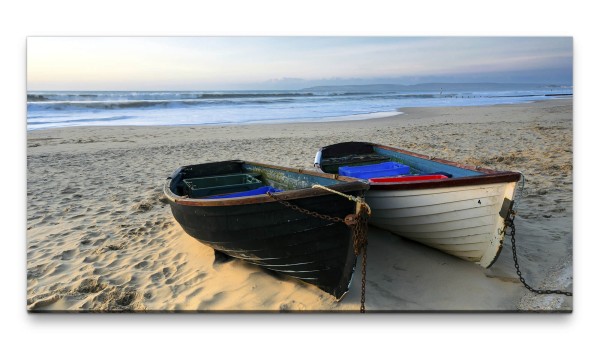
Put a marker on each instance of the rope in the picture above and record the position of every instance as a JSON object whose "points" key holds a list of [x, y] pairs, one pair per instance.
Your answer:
{"points": [[359, 201]]}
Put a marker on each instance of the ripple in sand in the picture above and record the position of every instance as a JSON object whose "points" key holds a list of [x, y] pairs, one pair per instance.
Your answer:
{"points": [[42, 300]]}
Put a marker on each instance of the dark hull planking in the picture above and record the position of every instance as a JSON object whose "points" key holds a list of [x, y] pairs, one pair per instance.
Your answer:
{"points": [[263, 232]]}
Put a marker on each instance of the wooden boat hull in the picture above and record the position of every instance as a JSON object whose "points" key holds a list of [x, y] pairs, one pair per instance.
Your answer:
{"points": [[261, 231], [462, 215], [464, 221]]}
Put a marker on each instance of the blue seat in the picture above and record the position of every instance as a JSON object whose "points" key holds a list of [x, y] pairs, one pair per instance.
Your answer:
{"points": [[257, 191]]}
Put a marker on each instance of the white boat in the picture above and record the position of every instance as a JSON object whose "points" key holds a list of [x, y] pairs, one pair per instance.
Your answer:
{"points": [[458, 209]]}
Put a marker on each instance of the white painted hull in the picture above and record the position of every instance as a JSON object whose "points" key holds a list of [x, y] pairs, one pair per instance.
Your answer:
{"points": [[463, 221]]}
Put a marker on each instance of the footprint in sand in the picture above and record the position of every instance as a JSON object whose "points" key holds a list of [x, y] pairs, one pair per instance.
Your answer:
{"points": [[42, 301], [68, 190], [60, 269], [292, 306], [157, 277], [207, 304], [37, 271], [167, 271], [194, 293], [68, 255], [143, 265], [90, 285], [113, 247]]}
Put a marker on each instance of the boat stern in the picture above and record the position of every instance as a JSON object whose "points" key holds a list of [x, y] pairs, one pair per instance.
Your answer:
{"points": [[492, 252]]}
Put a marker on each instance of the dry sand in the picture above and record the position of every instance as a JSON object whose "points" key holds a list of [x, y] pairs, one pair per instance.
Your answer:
{"points": [[101, 237]]}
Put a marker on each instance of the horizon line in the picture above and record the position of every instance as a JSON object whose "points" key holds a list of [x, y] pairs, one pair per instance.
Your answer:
{"points": [[315, 86]]}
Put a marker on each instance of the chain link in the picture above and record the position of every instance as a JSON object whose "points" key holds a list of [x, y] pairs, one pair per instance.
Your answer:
{"points": [[305, 211], [510, 223], [358, 224], [360, 231]]}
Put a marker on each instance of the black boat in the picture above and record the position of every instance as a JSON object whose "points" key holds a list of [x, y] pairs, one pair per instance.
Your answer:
{"points": [[238, 208]]}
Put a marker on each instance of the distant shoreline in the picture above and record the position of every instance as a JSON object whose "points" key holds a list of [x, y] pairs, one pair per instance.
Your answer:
{"points": [[432, 86]]}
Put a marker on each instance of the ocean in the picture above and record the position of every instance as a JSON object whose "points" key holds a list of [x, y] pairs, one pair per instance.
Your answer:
{"points": [[48, 109]]}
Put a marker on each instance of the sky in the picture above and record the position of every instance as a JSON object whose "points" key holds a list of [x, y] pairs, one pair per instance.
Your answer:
{"points": [[234, 63]]}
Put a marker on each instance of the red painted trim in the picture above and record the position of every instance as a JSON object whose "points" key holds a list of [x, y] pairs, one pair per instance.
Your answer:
{"points": [[501, 177], [402, 179]]}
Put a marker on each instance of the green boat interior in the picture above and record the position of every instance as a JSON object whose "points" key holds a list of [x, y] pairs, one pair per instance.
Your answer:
{"points": [[237, 179]]}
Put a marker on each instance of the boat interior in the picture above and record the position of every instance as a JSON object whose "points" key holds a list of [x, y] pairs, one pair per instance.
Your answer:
{"points": [[233, 179], [366, 161]]}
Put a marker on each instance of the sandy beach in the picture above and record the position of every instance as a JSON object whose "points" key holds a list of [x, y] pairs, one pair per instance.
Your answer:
{"points": [[101, 237]]}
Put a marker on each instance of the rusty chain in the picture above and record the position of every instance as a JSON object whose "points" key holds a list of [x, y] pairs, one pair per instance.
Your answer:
{"points": [[305, 211], [360, 230], [358, 224], [510, 223]]}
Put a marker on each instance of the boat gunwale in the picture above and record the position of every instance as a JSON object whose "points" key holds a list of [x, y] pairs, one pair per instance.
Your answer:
{"points": [[500, 177], [347, 184]]}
